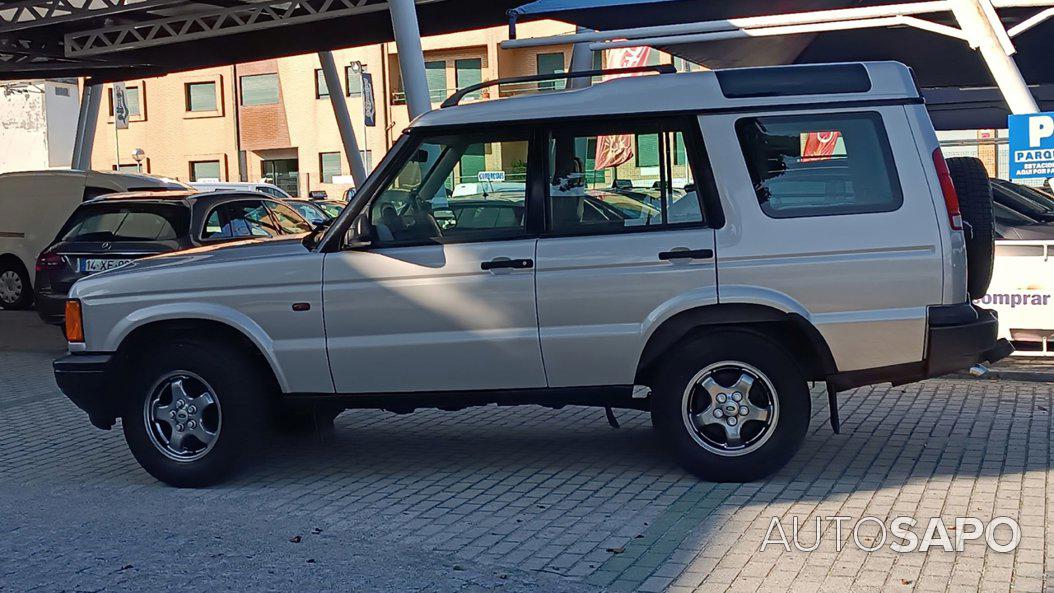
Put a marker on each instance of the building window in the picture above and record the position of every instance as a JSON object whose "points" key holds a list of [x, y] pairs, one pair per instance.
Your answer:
{"points": [[321, 89], [550, 64], [353, 75], [132, 98], [124, 168], [647, 151], [468, 72], [367, 159], [329, 166], [436, 74], [203, 170], [200, 96], [260, 89]]}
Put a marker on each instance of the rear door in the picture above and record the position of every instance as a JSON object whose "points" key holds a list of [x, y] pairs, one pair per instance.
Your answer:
{"points": [[831, 216], [626, 241]]}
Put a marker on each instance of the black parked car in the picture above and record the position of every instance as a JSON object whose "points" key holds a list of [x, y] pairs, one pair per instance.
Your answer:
{"points": [[114, 229], [1023, 199]]}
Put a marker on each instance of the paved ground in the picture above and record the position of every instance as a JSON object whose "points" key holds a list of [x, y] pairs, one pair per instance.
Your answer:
{"points": [[522, 499]]}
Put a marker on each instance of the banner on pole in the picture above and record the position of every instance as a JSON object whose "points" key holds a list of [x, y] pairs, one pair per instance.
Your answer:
{"points": [[120, 106], [369, 106]]}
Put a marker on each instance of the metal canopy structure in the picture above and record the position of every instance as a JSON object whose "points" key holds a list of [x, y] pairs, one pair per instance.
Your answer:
{"points": [[948, 43], [110, 40]]}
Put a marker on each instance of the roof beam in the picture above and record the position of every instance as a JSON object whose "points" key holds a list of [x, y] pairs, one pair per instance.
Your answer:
{"points": [[27, 14], [229, 21]]}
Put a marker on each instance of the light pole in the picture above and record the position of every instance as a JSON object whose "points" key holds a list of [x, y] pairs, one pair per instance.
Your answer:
{"points": [[138, 155]]}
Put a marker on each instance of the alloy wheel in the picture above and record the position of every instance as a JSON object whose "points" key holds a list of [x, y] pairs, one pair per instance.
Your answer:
{"points": [[730, 408]]}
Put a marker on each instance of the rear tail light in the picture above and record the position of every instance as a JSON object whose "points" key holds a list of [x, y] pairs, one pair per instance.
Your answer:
{"points": [[48, 261], [74, 323], [951, 198]]}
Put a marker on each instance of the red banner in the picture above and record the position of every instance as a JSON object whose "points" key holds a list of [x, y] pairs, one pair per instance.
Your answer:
{"points": [[615, 150]]}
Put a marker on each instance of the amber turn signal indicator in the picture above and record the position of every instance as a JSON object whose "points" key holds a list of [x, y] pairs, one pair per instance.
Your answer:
{"points": [[74, 323]]}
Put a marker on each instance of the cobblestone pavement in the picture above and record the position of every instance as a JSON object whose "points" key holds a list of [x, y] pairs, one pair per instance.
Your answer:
{"points": [[526, 499]]}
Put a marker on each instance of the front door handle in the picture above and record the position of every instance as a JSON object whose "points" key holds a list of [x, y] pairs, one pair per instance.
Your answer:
{"points": [[504, 262], [680, 253]]}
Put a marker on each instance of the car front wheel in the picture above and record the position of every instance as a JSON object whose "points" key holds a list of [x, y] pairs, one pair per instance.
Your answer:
{"points": [[733, 406], [194, 410]]}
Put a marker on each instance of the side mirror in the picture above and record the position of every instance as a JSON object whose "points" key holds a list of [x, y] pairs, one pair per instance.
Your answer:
{"points": [[360, 234]]}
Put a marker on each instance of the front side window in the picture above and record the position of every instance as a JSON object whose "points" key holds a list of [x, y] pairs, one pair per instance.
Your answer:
{"points": [[200, 96], [818, 165], [289, 222], [606, 178], [456, 188], [260, 89], [244, 219]]}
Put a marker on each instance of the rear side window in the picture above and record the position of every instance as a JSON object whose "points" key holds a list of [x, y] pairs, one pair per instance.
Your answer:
{"points": [[820, 165], [126, 222]]}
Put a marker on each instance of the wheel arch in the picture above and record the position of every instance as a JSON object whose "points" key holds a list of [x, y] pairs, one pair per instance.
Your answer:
{"points": [[791, 330], [135, 338]]}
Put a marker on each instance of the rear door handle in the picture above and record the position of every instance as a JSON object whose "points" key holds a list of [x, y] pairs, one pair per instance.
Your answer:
{"points": [[678, 253], [504, 262]]}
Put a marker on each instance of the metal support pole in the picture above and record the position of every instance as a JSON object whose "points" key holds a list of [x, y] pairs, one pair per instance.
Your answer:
{"points": [[340, 111], [581, 60], [87, 118], [411, 56], [979, 21]]}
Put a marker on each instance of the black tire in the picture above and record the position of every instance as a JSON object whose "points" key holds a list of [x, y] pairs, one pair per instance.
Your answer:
{"points": [[975, 203], [241, 388], [791, 410], [15, 278]]}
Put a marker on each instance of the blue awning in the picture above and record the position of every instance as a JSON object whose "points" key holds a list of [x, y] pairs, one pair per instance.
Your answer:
{"points": [[938, 61]]}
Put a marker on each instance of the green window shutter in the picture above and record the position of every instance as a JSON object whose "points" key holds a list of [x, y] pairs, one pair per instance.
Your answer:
{"points": [[260, 89], [550, 64], [473, 161], [201, 96], [329, 165], [131, 97], [321, 89], [468, 72], [435, 72], [647, 150], [354, 81], [204, 170]]}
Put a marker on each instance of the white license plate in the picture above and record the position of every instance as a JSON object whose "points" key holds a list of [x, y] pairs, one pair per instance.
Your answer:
{"points": [[90, 266]]}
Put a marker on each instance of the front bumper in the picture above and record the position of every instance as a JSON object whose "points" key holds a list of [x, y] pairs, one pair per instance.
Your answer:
{"points": [[958, 337], [84, 379]]}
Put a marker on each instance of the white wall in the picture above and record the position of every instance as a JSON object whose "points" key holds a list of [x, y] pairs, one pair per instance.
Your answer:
{"points": [[23, 127]]}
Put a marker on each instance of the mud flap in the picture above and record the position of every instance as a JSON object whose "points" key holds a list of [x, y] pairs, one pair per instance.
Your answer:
{"points": [[832, 401], [612, 420]]}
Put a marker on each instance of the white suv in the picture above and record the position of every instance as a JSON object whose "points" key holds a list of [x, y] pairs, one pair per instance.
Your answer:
{"points": [[780, 226]]}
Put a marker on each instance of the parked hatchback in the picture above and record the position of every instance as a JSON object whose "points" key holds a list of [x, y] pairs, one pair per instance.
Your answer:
{"points": [[110, 231]]}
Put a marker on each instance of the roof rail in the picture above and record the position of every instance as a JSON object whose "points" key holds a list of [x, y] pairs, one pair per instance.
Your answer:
{"points": [[454, 99]]}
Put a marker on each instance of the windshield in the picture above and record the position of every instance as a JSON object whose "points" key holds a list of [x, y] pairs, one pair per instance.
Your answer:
{"points": [[1018, 202], [310, 212], [127, 221], [332, 209]]}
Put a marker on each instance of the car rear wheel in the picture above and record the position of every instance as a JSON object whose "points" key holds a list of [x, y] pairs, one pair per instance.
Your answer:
{"points": [[974, 189], [732, 406], [16, 292], [194, 409]]}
